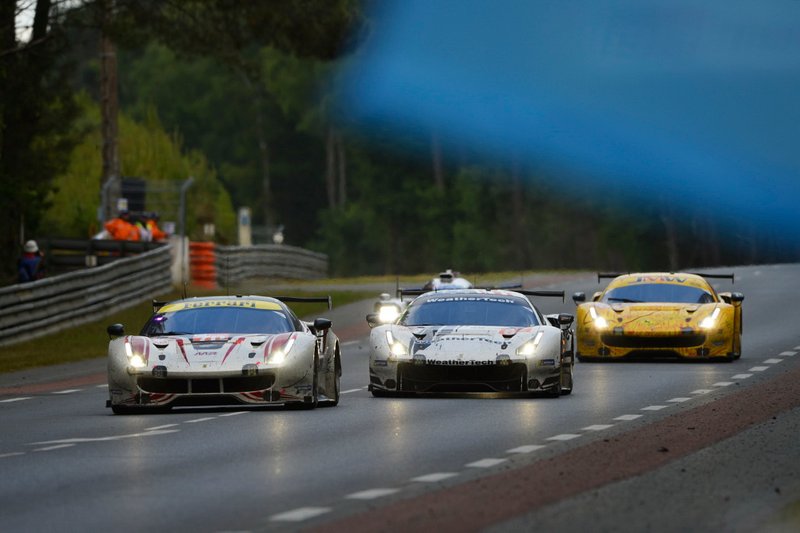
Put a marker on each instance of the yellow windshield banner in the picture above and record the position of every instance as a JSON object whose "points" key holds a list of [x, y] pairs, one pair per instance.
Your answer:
{"points": [[247, 304]]}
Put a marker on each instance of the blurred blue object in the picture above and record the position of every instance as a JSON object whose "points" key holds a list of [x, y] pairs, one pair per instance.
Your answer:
{"points": [[691, 102]]}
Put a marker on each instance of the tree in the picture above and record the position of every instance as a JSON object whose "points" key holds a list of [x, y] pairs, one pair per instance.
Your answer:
{"points": [[36, 113]]}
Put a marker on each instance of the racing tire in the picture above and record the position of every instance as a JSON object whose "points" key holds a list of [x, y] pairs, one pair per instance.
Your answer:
{"points": [[555, 392], [568, 390], [337, 378], [382, 393]]}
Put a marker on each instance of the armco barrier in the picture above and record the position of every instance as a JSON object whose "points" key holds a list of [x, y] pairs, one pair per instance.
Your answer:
{"points": [[235, 263], [52, 304]]}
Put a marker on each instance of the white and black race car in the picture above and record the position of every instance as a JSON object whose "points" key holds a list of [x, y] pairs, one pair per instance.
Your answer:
{"points": [[224, 350], [472, 340]]}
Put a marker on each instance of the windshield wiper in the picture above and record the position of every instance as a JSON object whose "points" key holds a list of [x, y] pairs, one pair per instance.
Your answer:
{"points": [[625, 300]]}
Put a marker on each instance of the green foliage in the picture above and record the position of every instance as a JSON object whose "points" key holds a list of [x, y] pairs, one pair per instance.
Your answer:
{"points": [[146, 151]]}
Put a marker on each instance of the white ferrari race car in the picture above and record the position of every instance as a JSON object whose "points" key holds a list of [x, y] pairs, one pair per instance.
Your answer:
{"points": [[472, 340], [224, 350]]}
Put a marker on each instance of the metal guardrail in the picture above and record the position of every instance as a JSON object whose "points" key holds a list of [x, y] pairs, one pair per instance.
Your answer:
{"points": [[63, 255], [235, 263], [52, 304]]}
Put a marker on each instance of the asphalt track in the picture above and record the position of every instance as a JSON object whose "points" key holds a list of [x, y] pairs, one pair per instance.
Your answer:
{"points": [[637, 447]]}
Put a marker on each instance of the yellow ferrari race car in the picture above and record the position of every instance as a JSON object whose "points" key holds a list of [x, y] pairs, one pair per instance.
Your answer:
{"points": [[659, 314]]}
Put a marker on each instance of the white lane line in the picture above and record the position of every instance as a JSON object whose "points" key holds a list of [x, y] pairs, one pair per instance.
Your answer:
{"points": [[300, 514], [654, 407], [772, 361], [742, 376], [156, 428], [235, 413], [350, 390], [563, 437], [722, 384], [598, 427], [350, 343], [700, 391], [787, 354], [21, 398], [757, 369], [11, 454], [528, 448], [104, 439], [204, 419], [796, 348], [680, 399], [56, 447], [371, 494], [433, 478], [103, 386], [68, 391], [628, 417], [486, 463]]}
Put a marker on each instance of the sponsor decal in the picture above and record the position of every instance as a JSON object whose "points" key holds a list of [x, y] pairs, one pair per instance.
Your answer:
{"points": [[458, 362], [662, 279], [493, 299], [251, 304], [381, 362]]}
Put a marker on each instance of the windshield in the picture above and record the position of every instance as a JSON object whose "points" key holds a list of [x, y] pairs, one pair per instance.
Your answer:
{"points": [[218, 320], [658, 292], [470, 311]]}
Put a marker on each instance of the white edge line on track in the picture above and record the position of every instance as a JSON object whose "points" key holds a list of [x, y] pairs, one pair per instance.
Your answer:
{"points": [[742, 376], [486, 463], [156, 428], [371, 494], [628, 417], [563, 437], [56, 447], [680, 399], [757, 369], [103, 386], [67, 391], [654, 407], [700, 391], [11, 454], [235, 413], [350, 390], [787, 354], [21, 398], [598, 427], [351, 343], [528, 448], [204, 419], [772, 361], [433, 478], [722, 384], [300, 514]]}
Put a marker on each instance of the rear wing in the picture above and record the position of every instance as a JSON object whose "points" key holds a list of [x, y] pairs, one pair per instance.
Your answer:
{"points": [[417, 292], [307, 299], [609, 275], [546, 294], [714, 276]]}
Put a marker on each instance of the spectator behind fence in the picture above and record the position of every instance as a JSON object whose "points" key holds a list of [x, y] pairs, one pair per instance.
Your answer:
{"points": [[121, 228], [152, 226], [30, 266]]}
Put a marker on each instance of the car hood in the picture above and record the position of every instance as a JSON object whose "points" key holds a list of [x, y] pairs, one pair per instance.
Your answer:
{"points": [[463, 342]]}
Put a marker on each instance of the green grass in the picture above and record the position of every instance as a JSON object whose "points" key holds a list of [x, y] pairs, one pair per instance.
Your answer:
{"points": [[91, 340]]}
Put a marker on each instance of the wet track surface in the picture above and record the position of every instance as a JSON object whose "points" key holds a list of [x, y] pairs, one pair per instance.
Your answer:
{"points": [[67, 463]]}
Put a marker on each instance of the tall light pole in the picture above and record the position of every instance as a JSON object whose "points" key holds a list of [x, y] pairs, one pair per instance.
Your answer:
{"points": [[109, 104]]}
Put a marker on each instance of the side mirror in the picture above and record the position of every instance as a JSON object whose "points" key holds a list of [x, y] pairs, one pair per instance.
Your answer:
{"points": [[565, 320], [115, 330], [322, 324], [579, 297], [373, 320], [737, 297], [596, 296]]}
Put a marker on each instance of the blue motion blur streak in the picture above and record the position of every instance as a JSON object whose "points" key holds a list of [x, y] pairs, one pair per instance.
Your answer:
{"points": [[693, 102]]}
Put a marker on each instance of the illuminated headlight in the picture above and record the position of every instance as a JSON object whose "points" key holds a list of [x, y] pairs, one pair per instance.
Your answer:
{"points": [[395, 346], [388, 313], [137, 362], [711, 320], [599, 321], [529, 348], [278, 356]]}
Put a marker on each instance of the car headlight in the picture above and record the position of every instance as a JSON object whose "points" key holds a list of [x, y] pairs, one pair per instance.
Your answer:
{"points": [[135, 358], [395, 346], [278, 356], [529, 348], [388, 313], [711, 320], [598, 321]]}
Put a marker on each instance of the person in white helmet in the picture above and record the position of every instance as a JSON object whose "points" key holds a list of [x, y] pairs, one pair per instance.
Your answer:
{"points": [[30, 266]]}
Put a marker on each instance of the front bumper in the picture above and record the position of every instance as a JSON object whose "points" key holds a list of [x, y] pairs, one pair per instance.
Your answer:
{"points": [[688, 344]]}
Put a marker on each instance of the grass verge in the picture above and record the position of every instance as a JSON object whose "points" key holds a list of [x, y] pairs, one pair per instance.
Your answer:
{"points": [[91, 340]]}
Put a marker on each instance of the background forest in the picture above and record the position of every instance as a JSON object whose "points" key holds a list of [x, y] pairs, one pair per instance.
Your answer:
{"points": [[241, 96]]}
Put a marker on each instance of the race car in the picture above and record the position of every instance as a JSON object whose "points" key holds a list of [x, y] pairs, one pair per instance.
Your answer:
{"points": [[472, 340], [659, 314], [250, 350], [389, 309]]}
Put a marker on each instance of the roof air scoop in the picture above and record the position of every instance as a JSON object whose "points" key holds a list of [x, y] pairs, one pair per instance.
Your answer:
{"points": [[508, 332], [692, 308], [420, 333]]}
